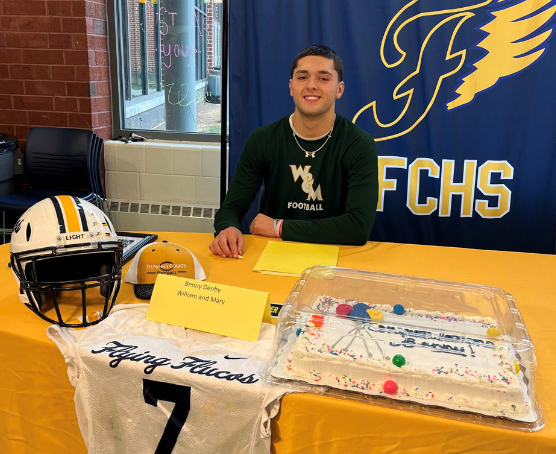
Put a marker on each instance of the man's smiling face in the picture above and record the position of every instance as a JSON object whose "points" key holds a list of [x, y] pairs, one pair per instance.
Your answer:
{"points": [[315, 86]]}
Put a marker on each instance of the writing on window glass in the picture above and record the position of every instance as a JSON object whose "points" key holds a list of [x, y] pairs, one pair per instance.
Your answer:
{"points": [[166, 19]]}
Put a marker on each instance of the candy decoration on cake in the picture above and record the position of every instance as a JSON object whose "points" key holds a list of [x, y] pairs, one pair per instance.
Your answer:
{"points": [[516, 367], [360, 314], [344, 309], [399, 309], [398, 360], [360, 310], [318, 320], [375, 315], [390, 387], [298, 332], [493, 332]]}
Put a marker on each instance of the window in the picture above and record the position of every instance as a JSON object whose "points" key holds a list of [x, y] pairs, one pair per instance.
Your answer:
{"points": [[165, 58]]}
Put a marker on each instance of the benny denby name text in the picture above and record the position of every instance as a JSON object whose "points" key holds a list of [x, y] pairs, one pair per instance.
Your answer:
{"points": [[210, 288]]}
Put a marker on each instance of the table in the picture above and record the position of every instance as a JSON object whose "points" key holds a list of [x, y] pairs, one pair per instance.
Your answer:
{"points": [[37, 412]]}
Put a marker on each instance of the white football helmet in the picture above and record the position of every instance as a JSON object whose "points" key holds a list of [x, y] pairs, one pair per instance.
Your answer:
{"points": [[60, 246]]}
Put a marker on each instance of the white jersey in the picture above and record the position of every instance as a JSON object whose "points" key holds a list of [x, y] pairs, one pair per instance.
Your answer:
{"points": [[146, 387]]}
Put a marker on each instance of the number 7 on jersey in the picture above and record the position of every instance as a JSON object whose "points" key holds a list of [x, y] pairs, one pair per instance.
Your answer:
{"points": [[153, 391]]}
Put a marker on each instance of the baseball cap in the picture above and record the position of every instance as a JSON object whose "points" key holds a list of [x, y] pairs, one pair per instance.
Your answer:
{"points": [[161, 258]]}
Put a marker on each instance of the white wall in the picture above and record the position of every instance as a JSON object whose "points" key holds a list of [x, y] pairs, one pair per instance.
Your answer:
{"points": [[171, 173]]}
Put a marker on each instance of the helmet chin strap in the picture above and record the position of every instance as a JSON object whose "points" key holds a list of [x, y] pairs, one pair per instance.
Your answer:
{"points": [[25, 300], [22, 296]]}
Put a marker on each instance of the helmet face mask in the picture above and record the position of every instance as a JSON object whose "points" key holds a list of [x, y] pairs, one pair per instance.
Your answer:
{"points": [[78, 260]]}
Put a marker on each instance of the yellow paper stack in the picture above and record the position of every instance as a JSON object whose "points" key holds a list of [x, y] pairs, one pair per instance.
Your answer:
{"points": [[291, 259]]}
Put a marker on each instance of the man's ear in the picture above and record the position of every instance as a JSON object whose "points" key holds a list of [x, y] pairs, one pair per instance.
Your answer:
{"points": [[291, 92], [340, 90]]}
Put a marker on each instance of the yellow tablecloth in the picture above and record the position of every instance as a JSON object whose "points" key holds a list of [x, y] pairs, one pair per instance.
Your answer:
{"points": [[37, 412]]}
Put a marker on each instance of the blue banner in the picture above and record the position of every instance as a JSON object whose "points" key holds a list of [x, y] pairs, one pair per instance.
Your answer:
{"points": [[458, 94]]}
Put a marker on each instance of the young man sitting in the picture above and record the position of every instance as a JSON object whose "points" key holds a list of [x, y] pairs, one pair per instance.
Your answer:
{"points": [[319, 169]]}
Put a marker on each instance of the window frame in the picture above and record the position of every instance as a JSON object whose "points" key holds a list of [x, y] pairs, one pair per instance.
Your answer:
{"points": [[116, 41]]}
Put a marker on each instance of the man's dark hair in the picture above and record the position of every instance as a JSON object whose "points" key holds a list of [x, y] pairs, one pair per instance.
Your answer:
{"points": [[320, 50]]}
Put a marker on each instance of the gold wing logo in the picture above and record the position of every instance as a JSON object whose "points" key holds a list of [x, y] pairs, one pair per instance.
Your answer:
{"points": [[512, 43]]}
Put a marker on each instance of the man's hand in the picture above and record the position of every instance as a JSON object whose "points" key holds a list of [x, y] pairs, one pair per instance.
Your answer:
{"points": [[228, 243], [262, 225]]}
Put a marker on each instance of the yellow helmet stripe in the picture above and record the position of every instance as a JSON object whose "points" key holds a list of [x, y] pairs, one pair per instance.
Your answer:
{"points": [[72, 220]]}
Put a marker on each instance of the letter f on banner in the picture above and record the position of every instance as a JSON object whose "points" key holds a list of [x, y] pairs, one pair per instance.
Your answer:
{"points": [[387, 184]]}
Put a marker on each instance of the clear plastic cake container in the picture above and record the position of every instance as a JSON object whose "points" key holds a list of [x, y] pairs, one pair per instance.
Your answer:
{"points": [[456, 350]]}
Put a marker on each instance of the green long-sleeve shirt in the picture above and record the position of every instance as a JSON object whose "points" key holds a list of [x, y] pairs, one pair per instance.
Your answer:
{"points": [[330, 198]]}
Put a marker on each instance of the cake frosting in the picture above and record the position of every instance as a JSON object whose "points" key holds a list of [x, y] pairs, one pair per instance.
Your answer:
{"points": [[431, 358]]}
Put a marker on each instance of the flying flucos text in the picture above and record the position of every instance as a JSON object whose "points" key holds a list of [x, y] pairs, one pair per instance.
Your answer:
{"points": [[496, 205]]}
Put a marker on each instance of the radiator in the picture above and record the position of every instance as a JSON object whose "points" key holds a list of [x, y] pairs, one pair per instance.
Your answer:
{"points": [[160, 217]]}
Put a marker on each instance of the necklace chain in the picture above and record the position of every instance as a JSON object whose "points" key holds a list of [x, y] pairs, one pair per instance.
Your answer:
{"points": [[312, 153]]}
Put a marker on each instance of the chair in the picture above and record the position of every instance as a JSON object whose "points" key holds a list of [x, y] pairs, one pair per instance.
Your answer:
{"points": [[57, 161], [95, 170], [101, 200]]}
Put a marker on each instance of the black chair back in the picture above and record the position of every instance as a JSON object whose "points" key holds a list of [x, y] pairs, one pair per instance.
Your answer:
{"points": [[95, 171], [59, 157], [98, 157]]}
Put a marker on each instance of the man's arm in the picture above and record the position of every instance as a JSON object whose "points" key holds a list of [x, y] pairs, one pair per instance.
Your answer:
{"points": [[355, 225]]}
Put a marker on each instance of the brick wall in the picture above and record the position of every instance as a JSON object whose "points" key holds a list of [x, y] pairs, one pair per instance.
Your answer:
{"points": [[99, 75], [54, 66]]}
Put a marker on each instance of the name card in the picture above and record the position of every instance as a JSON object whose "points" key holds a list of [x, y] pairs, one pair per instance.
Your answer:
{"points": [[205, 306]]}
